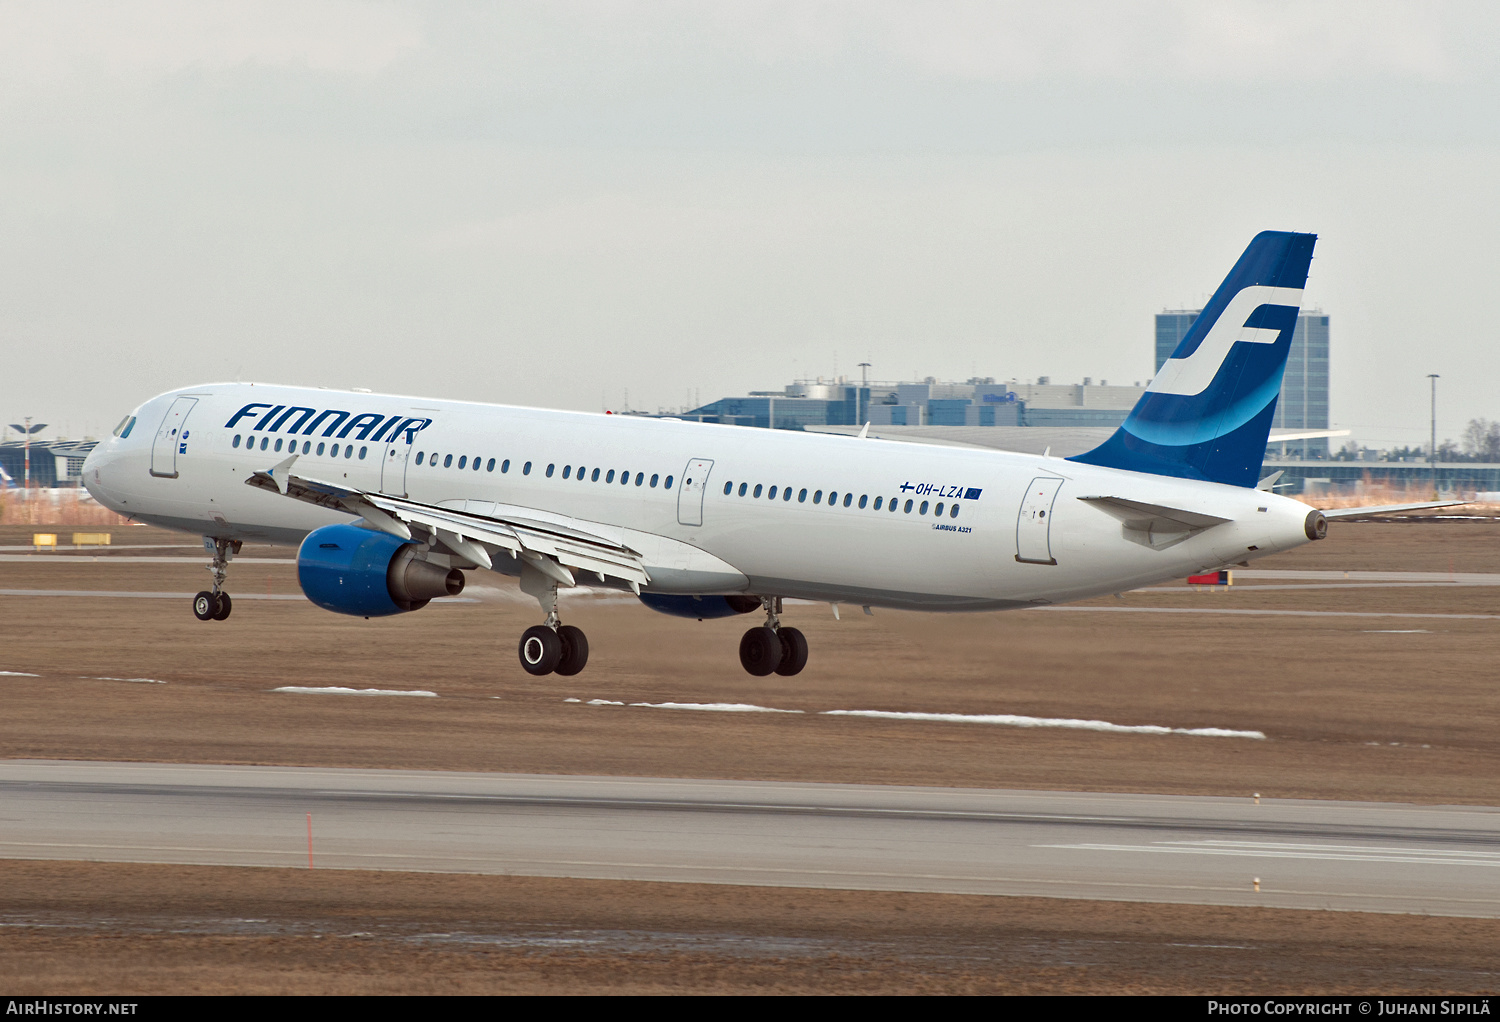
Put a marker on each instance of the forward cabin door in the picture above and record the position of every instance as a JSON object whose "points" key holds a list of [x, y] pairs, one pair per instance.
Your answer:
{"points": [[690, 493], [171, 438], [1034, 525], [393, 467]]}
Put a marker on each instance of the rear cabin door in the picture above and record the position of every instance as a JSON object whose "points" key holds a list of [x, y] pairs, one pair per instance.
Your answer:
{"points": [[171, 439], [690, 493], [1034, 524]]}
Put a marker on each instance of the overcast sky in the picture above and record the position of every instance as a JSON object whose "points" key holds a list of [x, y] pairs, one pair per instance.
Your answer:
{"points": [[553, 203]]}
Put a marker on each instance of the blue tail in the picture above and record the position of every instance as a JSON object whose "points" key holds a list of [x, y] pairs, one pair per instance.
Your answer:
{"points": [[1208, 412]]}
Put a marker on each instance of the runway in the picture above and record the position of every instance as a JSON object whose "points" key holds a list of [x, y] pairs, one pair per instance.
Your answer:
{"points": [[1434, 860]]}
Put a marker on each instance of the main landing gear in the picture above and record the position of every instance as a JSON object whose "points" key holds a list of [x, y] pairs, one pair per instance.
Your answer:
{"points": [[553, 647], [773, 648], [215, 605]]}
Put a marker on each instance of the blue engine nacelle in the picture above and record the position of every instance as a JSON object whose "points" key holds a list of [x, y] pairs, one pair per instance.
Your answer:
{"points": [[350, 570], [701, 607]]}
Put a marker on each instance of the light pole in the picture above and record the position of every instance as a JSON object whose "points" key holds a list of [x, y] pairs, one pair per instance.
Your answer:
{"points": [[1432, 444]]}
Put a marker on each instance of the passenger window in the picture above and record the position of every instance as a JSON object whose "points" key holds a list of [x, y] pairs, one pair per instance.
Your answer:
{"points": [[320, 450], [667, 483], [447, 461], [594, 476], [877, 502], [264, 442], [757, 491], [420, 456], [786, 493], [908, 507], [236, 440], [923, 509], [463, 461], [938, 511], [625, 478], [639, 478], [504, 465], [953, 511], [771, 494], [491, 466], [526, 469], [848, 498], [278, 445], [349, 450], [654, 478], [727, 488], [362, 451], [306, 446], [742, 488], [610, 477], [802, 496], [567, 470], [862, 499], [818, 497], [476, 463], [549, 470], [582, 473]]}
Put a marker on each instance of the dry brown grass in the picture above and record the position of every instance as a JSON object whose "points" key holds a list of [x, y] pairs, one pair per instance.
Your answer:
{"points": [[55, 507], [1370, 494]]}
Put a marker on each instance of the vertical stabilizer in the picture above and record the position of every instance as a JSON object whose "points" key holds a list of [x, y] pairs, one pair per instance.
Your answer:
{"points": [[1207, 414]]}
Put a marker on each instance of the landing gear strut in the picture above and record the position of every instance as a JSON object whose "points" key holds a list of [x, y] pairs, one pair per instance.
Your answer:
{"points": [[215, 604], [773, 648], [552, 647]]}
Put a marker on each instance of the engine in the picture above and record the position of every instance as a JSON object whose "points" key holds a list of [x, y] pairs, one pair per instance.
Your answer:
{"points": [[701, 607], [350, 570]]}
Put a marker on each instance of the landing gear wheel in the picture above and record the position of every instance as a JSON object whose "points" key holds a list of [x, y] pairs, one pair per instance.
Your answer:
{"points": [[575, 650], [793, 652], [223, 606], [541, 650], [760, 651], [204, 606]]}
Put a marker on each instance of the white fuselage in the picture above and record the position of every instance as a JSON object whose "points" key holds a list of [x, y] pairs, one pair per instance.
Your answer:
{"points": [[184, 465]]}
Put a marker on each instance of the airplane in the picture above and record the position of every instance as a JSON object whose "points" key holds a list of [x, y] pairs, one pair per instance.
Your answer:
{"points": [[392, 501]]}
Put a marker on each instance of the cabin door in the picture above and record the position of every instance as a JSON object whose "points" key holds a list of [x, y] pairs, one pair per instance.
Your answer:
{"points": [[171, 439], [690, 493], [1034, 524]]}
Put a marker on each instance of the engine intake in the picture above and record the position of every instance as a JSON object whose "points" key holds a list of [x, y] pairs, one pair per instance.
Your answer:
{"points": [[350, 570]]}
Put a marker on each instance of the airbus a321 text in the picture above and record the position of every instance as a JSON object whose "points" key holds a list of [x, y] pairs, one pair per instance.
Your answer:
{"points": [[392, 500]]}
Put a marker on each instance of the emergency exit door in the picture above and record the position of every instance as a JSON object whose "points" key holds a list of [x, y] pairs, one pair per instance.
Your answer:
{"points": [[1034, 524]]}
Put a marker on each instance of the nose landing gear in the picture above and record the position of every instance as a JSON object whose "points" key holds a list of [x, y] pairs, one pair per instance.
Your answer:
{"points": [[772, 648], [215, 605]]}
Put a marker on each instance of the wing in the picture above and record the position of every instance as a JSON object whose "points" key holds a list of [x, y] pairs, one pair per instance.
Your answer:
{"points": [[555, 545]]}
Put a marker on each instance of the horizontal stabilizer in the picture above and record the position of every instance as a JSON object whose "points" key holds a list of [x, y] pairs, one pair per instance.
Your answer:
{"points": [[1386, 509], [1154, 525]]}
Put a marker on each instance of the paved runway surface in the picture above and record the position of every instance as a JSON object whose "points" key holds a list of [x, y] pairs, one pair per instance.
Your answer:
{"points": [[1340, 855]]}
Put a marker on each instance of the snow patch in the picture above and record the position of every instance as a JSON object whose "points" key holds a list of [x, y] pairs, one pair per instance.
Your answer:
{"points": [[1012, 720], [336, 690], [716, 707], [605, 702], [19, 674], [1397, 631], [143, 681]]}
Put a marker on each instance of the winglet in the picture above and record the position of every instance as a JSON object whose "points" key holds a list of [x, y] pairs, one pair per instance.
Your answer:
{"points": [[865, 432], [280, 474]]}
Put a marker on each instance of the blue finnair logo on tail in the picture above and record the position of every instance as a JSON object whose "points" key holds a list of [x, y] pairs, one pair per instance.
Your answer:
{"points": [[1208, 412]]}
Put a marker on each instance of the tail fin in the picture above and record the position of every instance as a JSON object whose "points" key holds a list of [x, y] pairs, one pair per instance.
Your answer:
{"points": [[1208, 412]]}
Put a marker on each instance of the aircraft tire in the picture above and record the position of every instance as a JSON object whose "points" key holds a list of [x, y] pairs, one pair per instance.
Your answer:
{"points": [[575, 650], [540, 650], [760, 651], [793, 652], [204, 606], [222, 606]]}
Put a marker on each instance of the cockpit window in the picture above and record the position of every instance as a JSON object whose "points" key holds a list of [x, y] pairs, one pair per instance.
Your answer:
{"points": [[126, 425]]}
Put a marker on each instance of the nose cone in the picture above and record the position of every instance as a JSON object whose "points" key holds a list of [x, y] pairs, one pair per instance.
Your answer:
{"points": [[98, 471]]}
